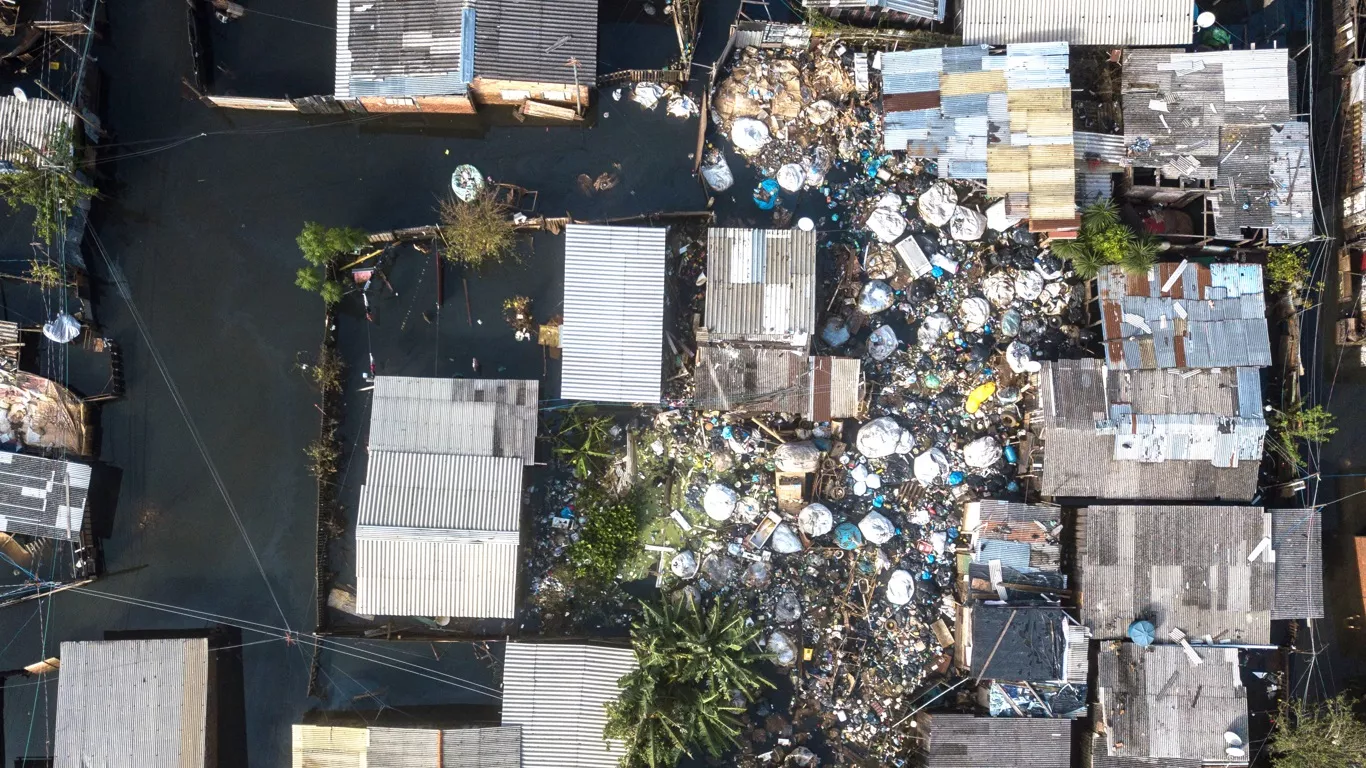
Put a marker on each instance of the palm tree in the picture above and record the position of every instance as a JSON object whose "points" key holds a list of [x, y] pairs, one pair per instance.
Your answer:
{"points": [[692, 664], [1104, 241]]}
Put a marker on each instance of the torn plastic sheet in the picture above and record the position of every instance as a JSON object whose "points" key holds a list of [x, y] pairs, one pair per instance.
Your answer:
{"points": [[887, 224], [938, 203]]}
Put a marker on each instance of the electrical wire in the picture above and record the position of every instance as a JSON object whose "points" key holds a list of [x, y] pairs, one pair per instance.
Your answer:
{"points": [[122, 284]]}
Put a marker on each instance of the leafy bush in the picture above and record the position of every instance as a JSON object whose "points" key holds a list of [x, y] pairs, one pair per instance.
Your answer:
{"points": [[679, 699], [46, 182], [323, 248], [45, 274], [1104, 241], [609, 532], [583, 441], [478, 232], [1312, 425], [1287, 267], [1324, 735]]}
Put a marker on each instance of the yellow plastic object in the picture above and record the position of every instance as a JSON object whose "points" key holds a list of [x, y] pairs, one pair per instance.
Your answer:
{"points": [[978, 396]]}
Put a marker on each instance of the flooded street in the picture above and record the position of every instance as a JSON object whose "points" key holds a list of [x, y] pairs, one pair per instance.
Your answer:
{"points": [[200, 212]]}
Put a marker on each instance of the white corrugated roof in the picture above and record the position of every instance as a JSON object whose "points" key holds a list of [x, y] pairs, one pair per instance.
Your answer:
{"points": [[1079, 22], [415, 490], [339, 747], [557, 693], [429, 572], [473, 417], [27, 125], [132, 704], [613, 333]]}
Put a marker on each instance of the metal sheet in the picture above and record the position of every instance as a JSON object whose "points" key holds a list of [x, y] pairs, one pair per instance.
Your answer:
{"points": [[1079, 22], [42, 497], [399, 573], [556, 692], [613, 333], [132, 704], [28, 125], [473, 417]]}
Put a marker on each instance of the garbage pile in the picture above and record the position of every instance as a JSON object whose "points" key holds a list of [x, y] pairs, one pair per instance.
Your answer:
{"points": [[651, 96], [841, 537]]}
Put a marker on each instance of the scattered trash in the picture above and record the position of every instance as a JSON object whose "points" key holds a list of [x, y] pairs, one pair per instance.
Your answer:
{"points": [[647, 95], [466, 182]]}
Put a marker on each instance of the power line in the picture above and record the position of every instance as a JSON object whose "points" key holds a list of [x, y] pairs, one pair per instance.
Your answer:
{"points": [[127, 295]]}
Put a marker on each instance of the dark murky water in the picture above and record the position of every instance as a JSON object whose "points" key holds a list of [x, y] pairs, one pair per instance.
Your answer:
{"points": [[204, 233]]}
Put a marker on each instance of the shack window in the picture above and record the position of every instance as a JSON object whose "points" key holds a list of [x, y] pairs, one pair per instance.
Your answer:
{"points": [[400, 101], [556, 96], [515, 95]]}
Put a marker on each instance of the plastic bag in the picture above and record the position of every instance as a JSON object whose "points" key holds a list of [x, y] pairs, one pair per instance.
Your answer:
{"points": [[716, 172], [875, 297], [882, 343], [785, 541], [791, 177], [900, 588], [797, 457], [876, 528], [887, 224], [816, 520], [882, 437], [749, 135], [937, 204], [982, 452], [719, 502]]}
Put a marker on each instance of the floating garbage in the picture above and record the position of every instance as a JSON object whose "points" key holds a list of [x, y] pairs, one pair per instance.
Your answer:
{"points": [[836, 332], [648, 95], [682, 105], [817, 165], [848, 536], [801, 757], [766, 195], [967, 225], [684, 565], [1028, 284], [882, 343], [719, 570], [876, 528], [716, 172], [937, 204], [820, 112], [875, 296], [466, 182], [978, 396], [757, 575], [900, 587], [982, 453], [785, 541], [932, 329], [975, 312], [816, 520], [747, 509], [788, 607], [780, 646], [797, 457], [749, 135], [931, 466], [791, 177], [999, 289], [719, 502], [805, 224], [882, 437], [997, 219], [887, 224], [1017, 357], [1010, 325]]}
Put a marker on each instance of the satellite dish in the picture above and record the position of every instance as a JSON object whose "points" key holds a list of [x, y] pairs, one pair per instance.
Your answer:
{"points": [[1205, 20], [19, 94], [1236, 752], [1233, 739]]}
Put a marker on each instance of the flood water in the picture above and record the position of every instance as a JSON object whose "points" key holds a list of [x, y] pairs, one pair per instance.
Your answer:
{"points": [[200, 213]]}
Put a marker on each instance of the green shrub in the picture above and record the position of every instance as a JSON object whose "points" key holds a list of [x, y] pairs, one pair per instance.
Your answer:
{"points": [[1287, 267], [323, 248], [1324, 735], [609, 532], [1104, 241]]}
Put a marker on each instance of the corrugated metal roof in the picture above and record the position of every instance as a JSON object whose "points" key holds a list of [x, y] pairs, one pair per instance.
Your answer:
{"points": [[762, 379], [42, 497], [1224, 324], [1002, 118], [1264, 182], [474, 417], [613, 333], [924, 9], [403, 48], [1181, 568], [414, 490], [28, 125], [1029, 643], [1099, 156], [761, 285], [533, 40], [423, 572], [1297, 537], [332, 747], [1149, 434], [1079, 22], [132, 704], [1098, 758], [1155, 703], [319, 746], [965, 741], [993, 522], [557, 693]]}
